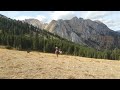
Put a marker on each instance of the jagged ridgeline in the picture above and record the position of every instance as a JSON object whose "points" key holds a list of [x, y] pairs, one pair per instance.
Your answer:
{"points": [[94, 34], [24, 36]]}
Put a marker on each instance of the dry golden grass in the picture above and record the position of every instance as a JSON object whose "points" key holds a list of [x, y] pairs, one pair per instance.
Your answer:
{"points": [[36, 65]]}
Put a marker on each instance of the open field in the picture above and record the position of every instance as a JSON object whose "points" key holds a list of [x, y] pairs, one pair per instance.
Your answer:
{"points": [[36, 65]]}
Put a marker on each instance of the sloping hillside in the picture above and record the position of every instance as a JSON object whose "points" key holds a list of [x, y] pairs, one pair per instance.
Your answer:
{"points": [[36, 65]]}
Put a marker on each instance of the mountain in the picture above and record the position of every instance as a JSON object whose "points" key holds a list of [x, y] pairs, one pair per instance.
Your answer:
{"points": [[85, 32], [118, 31], [23, 36], [36, 23]]}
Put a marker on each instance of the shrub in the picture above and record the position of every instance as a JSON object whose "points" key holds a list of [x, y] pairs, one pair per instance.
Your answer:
{"points": [[8, 47]]}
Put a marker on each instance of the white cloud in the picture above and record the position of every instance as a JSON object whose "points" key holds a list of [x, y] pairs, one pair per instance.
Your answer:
{"points": [[62, 15], [97, 14], [39, 17], [114, 25], [110, 18], [111, 23], [22, 17], [10, 13], [50, 16], [82, 14]]}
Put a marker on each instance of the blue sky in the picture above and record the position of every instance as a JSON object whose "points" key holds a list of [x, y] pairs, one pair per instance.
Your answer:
{"points": [[110, 18]]}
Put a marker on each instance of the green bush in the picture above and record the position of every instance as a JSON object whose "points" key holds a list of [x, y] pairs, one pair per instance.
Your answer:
{"points": [[8, 47]]}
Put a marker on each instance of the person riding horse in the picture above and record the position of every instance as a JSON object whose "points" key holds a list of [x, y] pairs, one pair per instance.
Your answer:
{"points": [[57, 51]]}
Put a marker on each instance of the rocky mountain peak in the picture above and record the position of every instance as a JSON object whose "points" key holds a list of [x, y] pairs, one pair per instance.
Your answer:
{"points": [[81, 19], [53, 21], [31, 20], [36, 22], [83, 31], [75, 19]]}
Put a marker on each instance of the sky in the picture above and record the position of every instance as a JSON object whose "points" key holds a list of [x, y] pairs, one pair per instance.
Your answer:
{"points": [[110, 18]]}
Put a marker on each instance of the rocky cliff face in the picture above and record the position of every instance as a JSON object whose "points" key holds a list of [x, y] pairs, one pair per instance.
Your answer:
{"points": [[84, 31], [91, 33], [36, 23]]}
